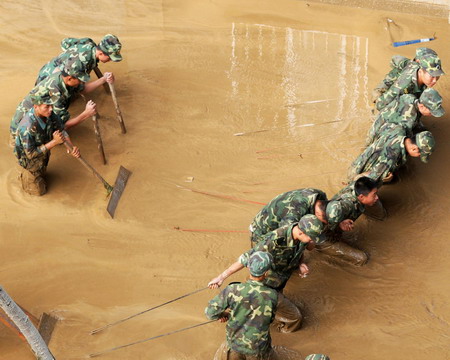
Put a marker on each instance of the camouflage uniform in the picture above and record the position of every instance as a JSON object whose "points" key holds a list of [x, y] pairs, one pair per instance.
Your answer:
{"points": [[405, 112], [388, 153], [344, 205], [85, 50], [287, 256], [407, 81], [317, 357], [33, 133], [284, 209], [55, 85], [397, 64], [251, 307]]}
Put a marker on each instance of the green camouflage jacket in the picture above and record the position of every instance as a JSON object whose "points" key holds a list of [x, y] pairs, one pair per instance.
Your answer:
{"points": [[350, 207], [402, 111], [397, 64], [32, 133], [286, 252], [84, 48], [286, 208], [252, 308], [56, 86], [384, 155], [405, 84]]}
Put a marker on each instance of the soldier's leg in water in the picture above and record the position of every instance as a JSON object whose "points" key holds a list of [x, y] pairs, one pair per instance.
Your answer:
{"points": [[288, 317], [343, 251], [32, 178]]}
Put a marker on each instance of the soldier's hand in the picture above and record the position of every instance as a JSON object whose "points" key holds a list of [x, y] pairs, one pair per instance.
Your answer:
{"points": [[75, 152], [91, 108], [216, 282], [224, 318], [303, 270], [109, 77], [346, 225], [58, 137]]}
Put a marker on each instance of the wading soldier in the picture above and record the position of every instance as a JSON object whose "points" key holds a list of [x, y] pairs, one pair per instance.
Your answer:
{"points": [[286, 245], [414, 79], [288, 208], [248, 308], [398, 63], [407, 112], [389, 152], [342, 211], [88, 53], [63, 86], [39, 131]]}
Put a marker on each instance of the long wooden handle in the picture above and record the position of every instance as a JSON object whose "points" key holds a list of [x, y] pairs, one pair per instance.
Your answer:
{"points": [[100, 75], [116, 104], [90, 168], [99, 138]]}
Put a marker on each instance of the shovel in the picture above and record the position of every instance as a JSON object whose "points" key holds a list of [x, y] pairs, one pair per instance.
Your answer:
{"points": [[119, 186]]}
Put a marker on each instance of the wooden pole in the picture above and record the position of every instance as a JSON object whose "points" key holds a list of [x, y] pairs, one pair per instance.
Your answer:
{"points": [[26, 327], [99, 138], [100, 75], [116, 104]]}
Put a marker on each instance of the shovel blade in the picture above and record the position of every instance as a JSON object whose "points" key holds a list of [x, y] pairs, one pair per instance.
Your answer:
{"points": [[46, 326], [119, 186]]}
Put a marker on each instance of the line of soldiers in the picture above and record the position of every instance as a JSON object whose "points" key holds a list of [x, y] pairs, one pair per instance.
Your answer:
{"points": [[305, 219], [42, 118]]}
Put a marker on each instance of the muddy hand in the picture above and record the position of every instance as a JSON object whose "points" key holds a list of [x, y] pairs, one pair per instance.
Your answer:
{"points": [[109, 77]]}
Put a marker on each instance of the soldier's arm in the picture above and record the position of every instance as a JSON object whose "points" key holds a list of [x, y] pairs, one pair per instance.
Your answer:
{"points": [[217, 306], [235, 267], [395, 90]]}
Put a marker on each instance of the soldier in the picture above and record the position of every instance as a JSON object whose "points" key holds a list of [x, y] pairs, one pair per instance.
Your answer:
{"points": [[286, 245], [407, 112], [389, 152], [249, 309], [398, 63], [63, 86], [39, 131], [342, 211], [288, 208], [414, 79], [317, 357], [88, 52]]}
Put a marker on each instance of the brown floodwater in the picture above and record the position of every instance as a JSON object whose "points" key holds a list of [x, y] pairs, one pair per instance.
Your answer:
{"points": [[295, 77]]}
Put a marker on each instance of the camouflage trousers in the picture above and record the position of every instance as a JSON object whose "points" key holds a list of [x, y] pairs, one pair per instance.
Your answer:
{"points": [[333, 246], [32, 177], [288, 317], [224, 353]]}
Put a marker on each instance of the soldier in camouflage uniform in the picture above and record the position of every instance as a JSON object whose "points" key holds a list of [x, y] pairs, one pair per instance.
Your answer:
{"points": [[288, 208], [398, 63], [414, 79], [286, 245], [249, 309], [317, 357], [389, 152], [38, 132], [342, 211], [407, 112], [63, 86], [88, 53]]}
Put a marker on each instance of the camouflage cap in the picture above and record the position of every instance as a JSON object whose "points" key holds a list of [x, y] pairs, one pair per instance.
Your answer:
{"points": [[74, 67], [259, 263], [334, 212], [111, 46], [311, 226], [317, 357], [425, 142], [41, 96], [431, 99], [422, 51], [431, 64]]}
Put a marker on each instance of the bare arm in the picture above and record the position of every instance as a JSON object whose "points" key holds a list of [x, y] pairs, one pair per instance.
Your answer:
{"points": [[216, 282], [90, 110], [108, 77]]}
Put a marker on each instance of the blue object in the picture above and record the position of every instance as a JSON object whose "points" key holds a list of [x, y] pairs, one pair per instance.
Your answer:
{"points": [[401, 43]]}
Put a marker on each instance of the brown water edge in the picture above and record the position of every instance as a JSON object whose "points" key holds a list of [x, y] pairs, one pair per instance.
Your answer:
{"points": [[195, 73]]}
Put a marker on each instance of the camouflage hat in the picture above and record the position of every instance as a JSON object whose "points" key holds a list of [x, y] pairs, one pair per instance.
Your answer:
{"points": [[317, 357], [422, 51], [425, 142], [311, 226], [74, 67], [431, 99], [259, 263], [111, 46], [41, 96], [334, 212], [431, 64]]}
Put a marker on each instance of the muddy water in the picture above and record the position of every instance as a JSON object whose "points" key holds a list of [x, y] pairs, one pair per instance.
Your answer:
{"points": [[295, 78]]}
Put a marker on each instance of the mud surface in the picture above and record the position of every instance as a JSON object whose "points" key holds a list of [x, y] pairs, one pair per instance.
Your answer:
{"points": [[295, 77]]}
